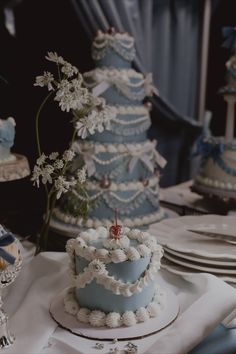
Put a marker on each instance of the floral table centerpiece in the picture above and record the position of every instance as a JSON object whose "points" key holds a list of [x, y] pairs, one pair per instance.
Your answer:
{"points": [[89, 114]]}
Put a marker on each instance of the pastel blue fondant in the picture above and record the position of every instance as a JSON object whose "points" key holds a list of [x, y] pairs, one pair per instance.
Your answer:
{"points": [[113, 60], [94, 296], [103, 208], [7, 135]]}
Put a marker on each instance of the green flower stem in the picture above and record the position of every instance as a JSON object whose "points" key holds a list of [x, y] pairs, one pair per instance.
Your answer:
{"points": [[37, 122], [47, 224]]}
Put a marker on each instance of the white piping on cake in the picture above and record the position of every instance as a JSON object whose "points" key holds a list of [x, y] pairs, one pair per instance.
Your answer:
{"points": [[99, 318]]}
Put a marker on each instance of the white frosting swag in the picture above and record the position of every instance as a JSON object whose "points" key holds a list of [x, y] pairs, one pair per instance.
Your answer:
{"points": [[121, 80]]}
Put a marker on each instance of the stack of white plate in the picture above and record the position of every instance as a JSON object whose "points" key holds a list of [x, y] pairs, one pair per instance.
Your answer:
{"points": [[187, 252]]}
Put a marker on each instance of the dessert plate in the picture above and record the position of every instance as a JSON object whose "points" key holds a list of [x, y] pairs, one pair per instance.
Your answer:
{"points": [[154, 325], [202, 260], [182, 271], [199, 267], [173, 234]]}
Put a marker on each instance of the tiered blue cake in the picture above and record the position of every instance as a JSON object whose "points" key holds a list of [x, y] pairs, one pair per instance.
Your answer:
{"points": [[7, 135], [217, 173], [122, 164]]}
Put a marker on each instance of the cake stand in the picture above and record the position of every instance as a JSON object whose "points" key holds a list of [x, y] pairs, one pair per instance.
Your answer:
{"points": [[140, 330], [226, 197], [14, 169], [7, 276]]}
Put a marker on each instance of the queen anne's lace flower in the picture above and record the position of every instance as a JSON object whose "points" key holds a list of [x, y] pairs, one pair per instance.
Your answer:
{"points": [[71, 95], [45, 80], [53, 56], [87, 125], [68, 155], [53, 155], [63, 186], [46, 174], [36, 174], [81, 175], [69, 70], [40, 161]]}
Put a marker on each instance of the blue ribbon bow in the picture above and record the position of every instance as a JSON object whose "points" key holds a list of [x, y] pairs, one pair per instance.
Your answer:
{"points": [[6, 240], [229, 33], [209, 149]]}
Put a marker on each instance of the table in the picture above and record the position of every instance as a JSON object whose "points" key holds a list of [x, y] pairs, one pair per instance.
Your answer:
{"points": [[182, 200], [204, 302]]}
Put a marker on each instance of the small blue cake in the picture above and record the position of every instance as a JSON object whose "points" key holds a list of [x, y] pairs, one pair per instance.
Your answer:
{"points": [[217, 172], [113, 272], [7, 136], [123, 165]]}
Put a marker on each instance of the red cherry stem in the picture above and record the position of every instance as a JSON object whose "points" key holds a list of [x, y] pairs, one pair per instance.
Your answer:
{"points": [[116, 216]]}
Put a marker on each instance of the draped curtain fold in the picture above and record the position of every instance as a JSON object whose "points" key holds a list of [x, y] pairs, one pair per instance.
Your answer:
{"points": [[167, 38]]}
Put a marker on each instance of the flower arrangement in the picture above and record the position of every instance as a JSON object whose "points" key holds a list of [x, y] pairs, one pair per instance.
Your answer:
{"points": [[89, 115]]}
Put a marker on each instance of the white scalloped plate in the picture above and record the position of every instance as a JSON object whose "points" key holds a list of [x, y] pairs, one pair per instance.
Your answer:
{"points": [[201, 268], [202, 260], [173, 234], [69, 322], [182, 271]]}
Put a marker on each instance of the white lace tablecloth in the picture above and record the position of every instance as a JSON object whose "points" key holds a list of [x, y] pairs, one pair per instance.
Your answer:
{"points": [[205, 301]]}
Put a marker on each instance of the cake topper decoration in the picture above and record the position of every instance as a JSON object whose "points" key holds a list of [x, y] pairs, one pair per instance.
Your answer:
{"points": [[115, 230]]}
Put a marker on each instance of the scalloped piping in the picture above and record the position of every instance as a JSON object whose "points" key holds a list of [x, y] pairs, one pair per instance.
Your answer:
{"points": [[97, 147], [96, 271], [147, 244], [216, 183], [120, 109], [125, 186], [129, 130], [94, 222], [113, 73], [118, 35], [98, 318]]}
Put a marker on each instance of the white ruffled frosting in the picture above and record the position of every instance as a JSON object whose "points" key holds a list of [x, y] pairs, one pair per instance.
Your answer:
{"points": [[93, 222], [114, 243], [82, 314], [97, 318], [113, 319]]}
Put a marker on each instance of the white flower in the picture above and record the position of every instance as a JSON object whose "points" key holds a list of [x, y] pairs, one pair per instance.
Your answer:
{"points": [[55, 58], [40, 161], [53, 155], [68, 155], [63, 186], [46, 174], [78, 81], [58, 164], [45, 80], [68, 69], [36, 174], [71, 95], [87, 125], [81, 175]]}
